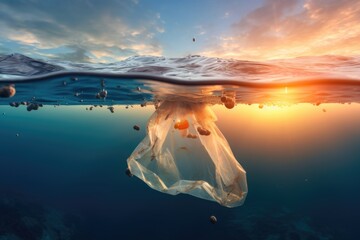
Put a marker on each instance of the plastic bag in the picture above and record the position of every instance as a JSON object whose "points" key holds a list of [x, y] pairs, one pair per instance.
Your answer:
{"points": [[185, 152]]}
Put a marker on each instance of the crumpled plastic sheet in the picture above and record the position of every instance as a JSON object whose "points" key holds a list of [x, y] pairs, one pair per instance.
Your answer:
{"points": [[185, 152]]}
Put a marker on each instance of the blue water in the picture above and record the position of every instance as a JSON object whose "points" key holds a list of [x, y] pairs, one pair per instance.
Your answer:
{"points": [[62, 167], [73, 161]]}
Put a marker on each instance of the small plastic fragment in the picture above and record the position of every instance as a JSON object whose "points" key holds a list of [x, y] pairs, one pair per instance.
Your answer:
{"points": [[7, 91], [213, 219]]}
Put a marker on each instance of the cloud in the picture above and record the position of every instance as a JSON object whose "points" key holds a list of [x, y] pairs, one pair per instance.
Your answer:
{"points": [[82, 27], [291, 28], [78, 54]]}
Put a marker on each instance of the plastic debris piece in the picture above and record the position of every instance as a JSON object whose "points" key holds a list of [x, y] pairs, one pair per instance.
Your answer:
{"points": [[102, 94], [7, 91], [136, 127], [229, 103], [112, 109], [14, 104], [203, 131], [32, 106], [213, 219], [182, 124], [207, 169], [193, 136]]}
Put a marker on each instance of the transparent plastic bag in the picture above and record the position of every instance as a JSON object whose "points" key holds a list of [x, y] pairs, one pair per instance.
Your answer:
{"points": [[185, 152]]}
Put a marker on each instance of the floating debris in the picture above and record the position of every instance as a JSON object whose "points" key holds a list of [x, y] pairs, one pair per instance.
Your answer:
{"points": [[64, 83], [193, 136], [17, 134], [203, 131], [143, 104], [138, 88], [261, 106], [228, 102], [7, 91], [102, 94], [213, 219], [76, 94], [128, 172], [33, 106], [136, 127], [182, 124], [102, 83], [324, 110], [112, 109], [91, 108], [194, 39], [74, 78], [14, 104]]}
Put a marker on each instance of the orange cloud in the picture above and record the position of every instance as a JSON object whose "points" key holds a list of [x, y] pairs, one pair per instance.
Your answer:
{"points": [[292, 28]]}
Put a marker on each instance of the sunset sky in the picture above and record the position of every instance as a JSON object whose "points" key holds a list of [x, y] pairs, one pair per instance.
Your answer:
{"points": [[107, 31]]}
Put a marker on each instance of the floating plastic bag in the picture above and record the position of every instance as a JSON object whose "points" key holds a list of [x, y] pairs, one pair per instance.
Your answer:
{"points": [[185, 152]]}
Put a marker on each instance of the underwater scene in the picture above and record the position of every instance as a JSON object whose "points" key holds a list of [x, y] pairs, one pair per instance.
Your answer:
{"points": [[131, 142]]}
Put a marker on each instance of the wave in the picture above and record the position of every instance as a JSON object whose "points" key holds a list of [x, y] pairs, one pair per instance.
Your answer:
{"points": [[196, 79], [193, 68]]}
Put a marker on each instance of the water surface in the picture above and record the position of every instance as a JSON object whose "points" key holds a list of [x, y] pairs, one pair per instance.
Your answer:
{"points": [[62, 167]]}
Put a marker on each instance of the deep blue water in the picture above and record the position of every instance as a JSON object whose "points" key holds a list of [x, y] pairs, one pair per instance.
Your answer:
{"points": [[64, 167]]}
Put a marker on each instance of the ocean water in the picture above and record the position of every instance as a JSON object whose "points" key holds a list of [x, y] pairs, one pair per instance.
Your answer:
{"points": [[68, 131]]}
